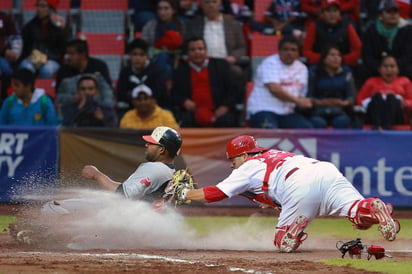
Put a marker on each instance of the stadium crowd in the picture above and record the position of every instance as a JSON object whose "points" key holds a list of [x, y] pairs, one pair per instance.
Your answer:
{"points": [[188, 63]]}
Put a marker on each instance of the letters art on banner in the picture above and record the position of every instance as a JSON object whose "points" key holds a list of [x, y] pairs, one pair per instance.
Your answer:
{"points": [[28, 161]]}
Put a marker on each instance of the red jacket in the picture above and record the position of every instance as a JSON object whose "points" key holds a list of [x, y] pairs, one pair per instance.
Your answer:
{"points": [[401, 85], [349, 59]]}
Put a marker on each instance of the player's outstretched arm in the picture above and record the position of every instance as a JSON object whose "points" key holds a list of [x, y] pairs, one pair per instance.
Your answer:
{"points": [[196, 195], [91, 172]]}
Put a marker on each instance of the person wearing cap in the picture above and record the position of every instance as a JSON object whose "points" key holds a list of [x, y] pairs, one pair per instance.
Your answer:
{"points": [[44, 39], [147, 183], [302, 187], [332, 29], [389, 34], [349, 9], [150, 178], [85, 109], [284, 17], [141, 70], [146, 114]]}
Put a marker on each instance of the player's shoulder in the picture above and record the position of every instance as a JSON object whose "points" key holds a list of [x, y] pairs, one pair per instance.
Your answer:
{"points": [[150, 165]]}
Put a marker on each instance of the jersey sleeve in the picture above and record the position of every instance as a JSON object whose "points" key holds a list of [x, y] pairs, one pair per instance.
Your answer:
{"points": [[147, 178], [213, 194], [241, 179]]}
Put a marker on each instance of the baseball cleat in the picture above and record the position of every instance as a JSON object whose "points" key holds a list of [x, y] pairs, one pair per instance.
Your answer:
{"points": [[295, 235], [387, 226]]}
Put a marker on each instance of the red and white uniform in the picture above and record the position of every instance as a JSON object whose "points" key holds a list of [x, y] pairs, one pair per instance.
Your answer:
{"points": [[302, 185]]}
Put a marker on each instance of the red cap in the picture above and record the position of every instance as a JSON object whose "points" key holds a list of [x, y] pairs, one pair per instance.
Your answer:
{"points": [[52, 3], [172, 40], [243, 144], [328, 3]]}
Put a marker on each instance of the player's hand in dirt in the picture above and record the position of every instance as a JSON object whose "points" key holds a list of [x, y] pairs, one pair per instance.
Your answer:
{"points": [[90, 172]]}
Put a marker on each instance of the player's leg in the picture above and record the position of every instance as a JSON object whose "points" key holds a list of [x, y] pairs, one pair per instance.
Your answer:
{"points": [[344, 200], [367, 212], [300, 205]]}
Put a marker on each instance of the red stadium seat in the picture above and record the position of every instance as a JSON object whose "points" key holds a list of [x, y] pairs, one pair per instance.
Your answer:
{"points": [[6, 5], [264, 45], [104, 5], [31, 5], [259, 10], [48, 85], [239, 2], [104, 43]]}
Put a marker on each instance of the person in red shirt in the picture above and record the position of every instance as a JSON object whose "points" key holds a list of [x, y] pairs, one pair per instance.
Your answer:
{"points": [[329, 29], [204, 89], [349, 8], [387, 98]]}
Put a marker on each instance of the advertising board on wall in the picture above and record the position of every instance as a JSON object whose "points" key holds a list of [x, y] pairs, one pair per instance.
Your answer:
{"points": [[28, 160]]}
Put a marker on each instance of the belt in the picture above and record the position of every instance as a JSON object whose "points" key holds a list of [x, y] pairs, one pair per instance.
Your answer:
{"points": [[293, 170]]}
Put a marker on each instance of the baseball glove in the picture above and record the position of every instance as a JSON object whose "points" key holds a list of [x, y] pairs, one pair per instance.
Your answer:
{"points": [[181, 183]]}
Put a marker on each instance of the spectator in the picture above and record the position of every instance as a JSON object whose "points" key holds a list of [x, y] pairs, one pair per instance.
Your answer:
{"points": [[44, 38], [223, 35], [27, 106], [10, 50], [84, 110], [164, 35], [387, 98], [388, 35], [350, 9], [146, 114], [371, 9], [78, 62], [332, 90], [144, 11], [404, 8], [329, 29], [203, 89], [281, 85], [284, 17], [139, 71]]}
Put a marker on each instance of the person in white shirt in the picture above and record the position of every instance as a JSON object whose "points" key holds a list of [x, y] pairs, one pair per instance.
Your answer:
{"points": [[281, 85]]}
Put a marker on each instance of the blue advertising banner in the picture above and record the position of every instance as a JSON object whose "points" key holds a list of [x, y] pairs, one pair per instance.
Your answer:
{"points": [[378, 163], [28, 160]]}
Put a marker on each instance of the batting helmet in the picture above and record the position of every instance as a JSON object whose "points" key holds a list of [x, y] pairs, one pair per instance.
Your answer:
{"points": [[242, 144], [166, 137]]}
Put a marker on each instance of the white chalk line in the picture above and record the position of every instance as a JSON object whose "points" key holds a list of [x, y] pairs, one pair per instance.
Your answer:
{"points": [[399, 251], [143, 256]]}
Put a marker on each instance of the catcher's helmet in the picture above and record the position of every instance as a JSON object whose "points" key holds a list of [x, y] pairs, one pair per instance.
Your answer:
{"points": [[242, 144], [166, 137]]}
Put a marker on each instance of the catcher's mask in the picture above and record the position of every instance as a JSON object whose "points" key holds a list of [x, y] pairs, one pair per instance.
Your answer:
{"points": [[166, 137], [242, 144]]}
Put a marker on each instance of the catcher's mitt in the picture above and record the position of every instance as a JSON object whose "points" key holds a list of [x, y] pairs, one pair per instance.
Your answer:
{"points": [[181, 183]]}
